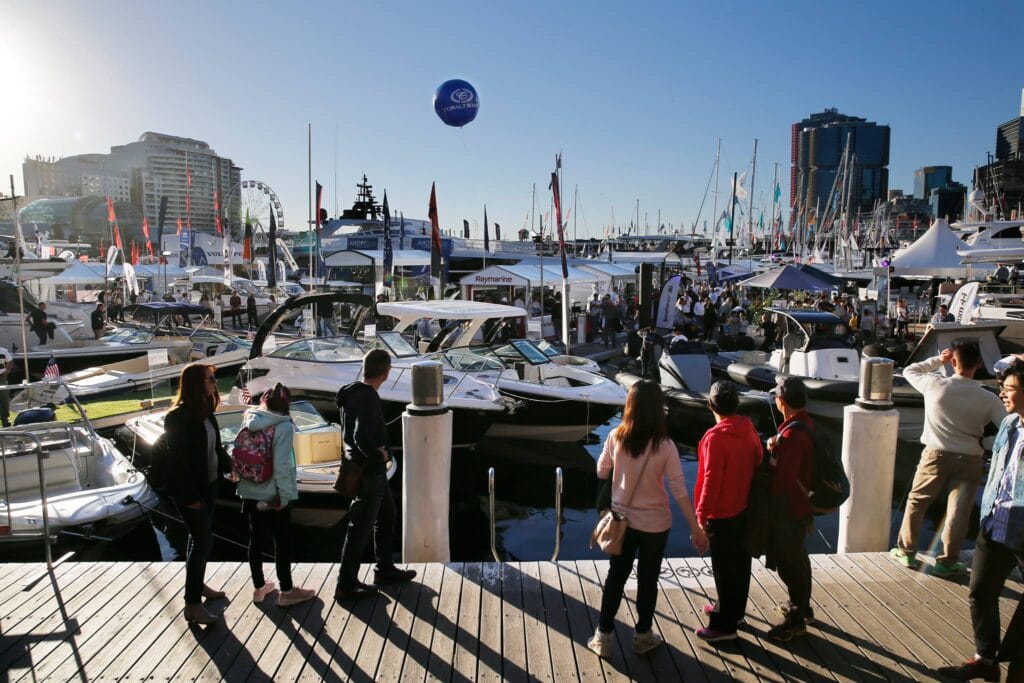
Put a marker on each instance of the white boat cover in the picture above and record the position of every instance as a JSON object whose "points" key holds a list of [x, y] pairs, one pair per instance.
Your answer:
{"points": [[361, 257], [448, 309]]}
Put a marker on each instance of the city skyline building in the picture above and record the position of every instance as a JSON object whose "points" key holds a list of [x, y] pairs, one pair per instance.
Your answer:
{"points": [[1002, 178], [184, 170], [818, 145]]}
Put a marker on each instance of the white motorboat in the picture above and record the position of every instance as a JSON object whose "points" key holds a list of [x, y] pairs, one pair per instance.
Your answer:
{"points": [[314, 369], [91, 489], [558, 402]]}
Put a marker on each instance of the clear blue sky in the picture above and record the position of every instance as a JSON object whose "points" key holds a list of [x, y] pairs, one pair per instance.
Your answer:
{"points": [[634, 94]]}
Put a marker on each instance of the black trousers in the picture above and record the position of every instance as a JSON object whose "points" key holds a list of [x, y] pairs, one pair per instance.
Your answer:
{"points": [[236, 317], [651, 549], [372, 511], [992, 564], [274, 523], [199, 523], [790, 558], [730, 564], [251, 318]]}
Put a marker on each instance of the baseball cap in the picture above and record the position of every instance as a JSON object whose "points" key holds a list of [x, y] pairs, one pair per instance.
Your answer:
{"points": [[792, 390]]}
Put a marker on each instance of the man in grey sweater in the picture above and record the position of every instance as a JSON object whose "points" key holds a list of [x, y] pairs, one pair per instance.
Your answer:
{"points": [[957, 410]]}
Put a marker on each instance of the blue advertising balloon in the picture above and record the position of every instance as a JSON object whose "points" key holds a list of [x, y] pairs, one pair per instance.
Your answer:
{"points": [[456, 102]]}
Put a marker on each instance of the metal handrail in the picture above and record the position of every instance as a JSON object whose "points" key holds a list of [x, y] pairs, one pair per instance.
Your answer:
{"points": [[490, 493], [40, 456], [7, 497], [558, 513]]}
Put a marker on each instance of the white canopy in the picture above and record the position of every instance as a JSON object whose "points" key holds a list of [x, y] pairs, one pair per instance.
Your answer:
{"points": [[934, 254], [605, 270], [78, 273], [448, 309], [364, 257], [522, 275], [643, 256]]}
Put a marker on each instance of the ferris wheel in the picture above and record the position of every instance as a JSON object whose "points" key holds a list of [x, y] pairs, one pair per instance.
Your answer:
{"points": [[256, 200]]}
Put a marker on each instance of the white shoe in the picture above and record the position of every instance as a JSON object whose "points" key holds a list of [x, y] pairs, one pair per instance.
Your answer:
{"points": [[600, 643], [262, 592], [295, 596], [645, 642]]}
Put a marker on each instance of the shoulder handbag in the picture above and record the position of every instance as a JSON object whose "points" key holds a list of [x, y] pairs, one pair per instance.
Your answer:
{"points": [[350, 477], [610, 529]]}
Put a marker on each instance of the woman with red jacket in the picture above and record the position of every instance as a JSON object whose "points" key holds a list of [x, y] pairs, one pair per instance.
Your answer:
{"points": [[727, 456]]}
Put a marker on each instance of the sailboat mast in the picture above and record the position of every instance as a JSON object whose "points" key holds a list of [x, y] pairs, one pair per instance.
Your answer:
{"points": [[718, 158], [750, 203], [775, 208]]}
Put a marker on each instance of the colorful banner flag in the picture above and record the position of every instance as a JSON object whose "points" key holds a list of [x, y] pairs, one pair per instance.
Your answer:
{"points": [[161, 216], [145, 232], [112, 219], [216, 211], [389, 254], [436, 265], [247, 243], [558, 218], [487, 235], [272, 255], [179, 227]]}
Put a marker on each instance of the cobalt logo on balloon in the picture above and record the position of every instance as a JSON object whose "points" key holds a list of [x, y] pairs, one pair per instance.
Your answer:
{"points": [[456, 102]]}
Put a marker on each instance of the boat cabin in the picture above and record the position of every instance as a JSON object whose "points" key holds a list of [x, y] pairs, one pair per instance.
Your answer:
{"points": [[813, 344]]}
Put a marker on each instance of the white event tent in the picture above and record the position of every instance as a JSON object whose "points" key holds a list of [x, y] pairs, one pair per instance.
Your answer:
{"points": [[934, 254]]}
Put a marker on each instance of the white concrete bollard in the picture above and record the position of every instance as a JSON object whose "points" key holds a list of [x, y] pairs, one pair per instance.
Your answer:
{"points": [[426, 468], [870, 431]]}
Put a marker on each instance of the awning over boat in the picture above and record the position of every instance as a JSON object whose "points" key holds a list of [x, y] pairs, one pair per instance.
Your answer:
{"points": [[605, 271], [657, 257], [366, 257], [521, 275], [78, 273], [787, 277], [448, 309]]}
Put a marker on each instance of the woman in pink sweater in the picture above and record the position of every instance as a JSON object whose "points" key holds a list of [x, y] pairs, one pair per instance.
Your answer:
{"points": [[639, 457]]}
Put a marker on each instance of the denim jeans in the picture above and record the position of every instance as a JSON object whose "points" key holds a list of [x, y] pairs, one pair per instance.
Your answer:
{"points": [[651, 549], [372, 510], [730, 564], [991, 566], [200, 540], [276, 523]]}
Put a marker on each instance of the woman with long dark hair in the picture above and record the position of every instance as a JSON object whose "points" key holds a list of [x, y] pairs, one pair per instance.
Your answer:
{"points": [[194, 447], [639, 457]]}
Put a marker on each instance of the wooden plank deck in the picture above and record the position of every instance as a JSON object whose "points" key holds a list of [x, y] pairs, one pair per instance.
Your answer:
{"points": [[876, 621]]}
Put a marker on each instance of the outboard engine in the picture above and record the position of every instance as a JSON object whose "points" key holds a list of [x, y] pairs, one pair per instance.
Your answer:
{"points": [[685, 365]]}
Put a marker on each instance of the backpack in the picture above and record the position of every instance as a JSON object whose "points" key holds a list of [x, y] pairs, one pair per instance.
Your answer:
{"points": [[830, 486], [252, 457], [159, 466]]}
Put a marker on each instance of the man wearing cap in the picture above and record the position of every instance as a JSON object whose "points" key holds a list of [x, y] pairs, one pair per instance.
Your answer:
{"points": [[791, 459], [727, 456], [957, 410]]}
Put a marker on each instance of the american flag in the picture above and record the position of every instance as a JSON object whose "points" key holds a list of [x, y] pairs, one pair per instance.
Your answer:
{"points": [[52, 371]]}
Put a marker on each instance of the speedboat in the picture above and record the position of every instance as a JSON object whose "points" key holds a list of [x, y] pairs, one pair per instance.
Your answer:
{"points": [[91, 489], [684, 372], [315, 368], [814, 347], [317, 445], [557, 401]]}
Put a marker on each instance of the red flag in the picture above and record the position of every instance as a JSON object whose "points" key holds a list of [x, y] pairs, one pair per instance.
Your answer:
{"points": [[135, 253], [216, 210], [110, 211], [145, 231], [117, 238], [435, 237], [558, 217], [179, 226]]}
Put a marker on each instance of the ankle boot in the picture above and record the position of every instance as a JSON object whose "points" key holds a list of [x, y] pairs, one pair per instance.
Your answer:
{"points": [[197, 614]]}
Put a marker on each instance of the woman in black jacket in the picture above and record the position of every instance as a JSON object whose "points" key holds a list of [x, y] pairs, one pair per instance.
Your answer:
{"points": [[194, 447]]}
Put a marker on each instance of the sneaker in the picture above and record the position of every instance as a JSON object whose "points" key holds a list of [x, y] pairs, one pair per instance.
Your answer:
{"points": [[295, 596], [788, 630], [790, 611], [392, 574], [645, 642], [712, 607], [263, 591], [908, 560], [711, 635], [600, 644], [971, 669], [943, 570]]}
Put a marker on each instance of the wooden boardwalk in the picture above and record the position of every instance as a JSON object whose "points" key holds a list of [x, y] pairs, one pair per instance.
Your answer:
{"points": [[463, 622]]}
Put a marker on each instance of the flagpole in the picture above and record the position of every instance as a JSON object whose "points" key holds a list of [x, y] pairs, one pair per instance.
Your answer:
{"points": [[17, 269], [750, 209], [732, 217], [309, 191]]}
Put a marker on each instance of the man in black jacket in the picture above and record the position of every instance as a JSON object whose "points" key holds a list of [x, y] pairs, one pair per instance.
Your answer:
{"points": [[98, 320], [373, 509]]}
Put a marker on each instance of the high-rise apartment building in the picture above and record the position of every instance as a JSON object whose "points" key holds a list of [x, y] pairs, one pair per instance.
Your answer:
{"points": [[817, 147], [928, 178], [1002, 179], [142, 172]]}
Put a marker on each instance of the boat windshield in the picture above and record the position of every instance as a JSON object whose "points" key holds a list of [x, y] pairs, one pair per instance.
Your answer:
{"points": [[327, 350], [392, 342], [303, 414], [471, 359], [128, 335], [519, 350]]}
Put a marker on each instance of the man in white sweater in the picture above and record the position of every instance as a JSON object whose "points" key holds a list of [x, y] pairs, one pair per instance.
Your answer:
{"points": [[957, 410]]}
